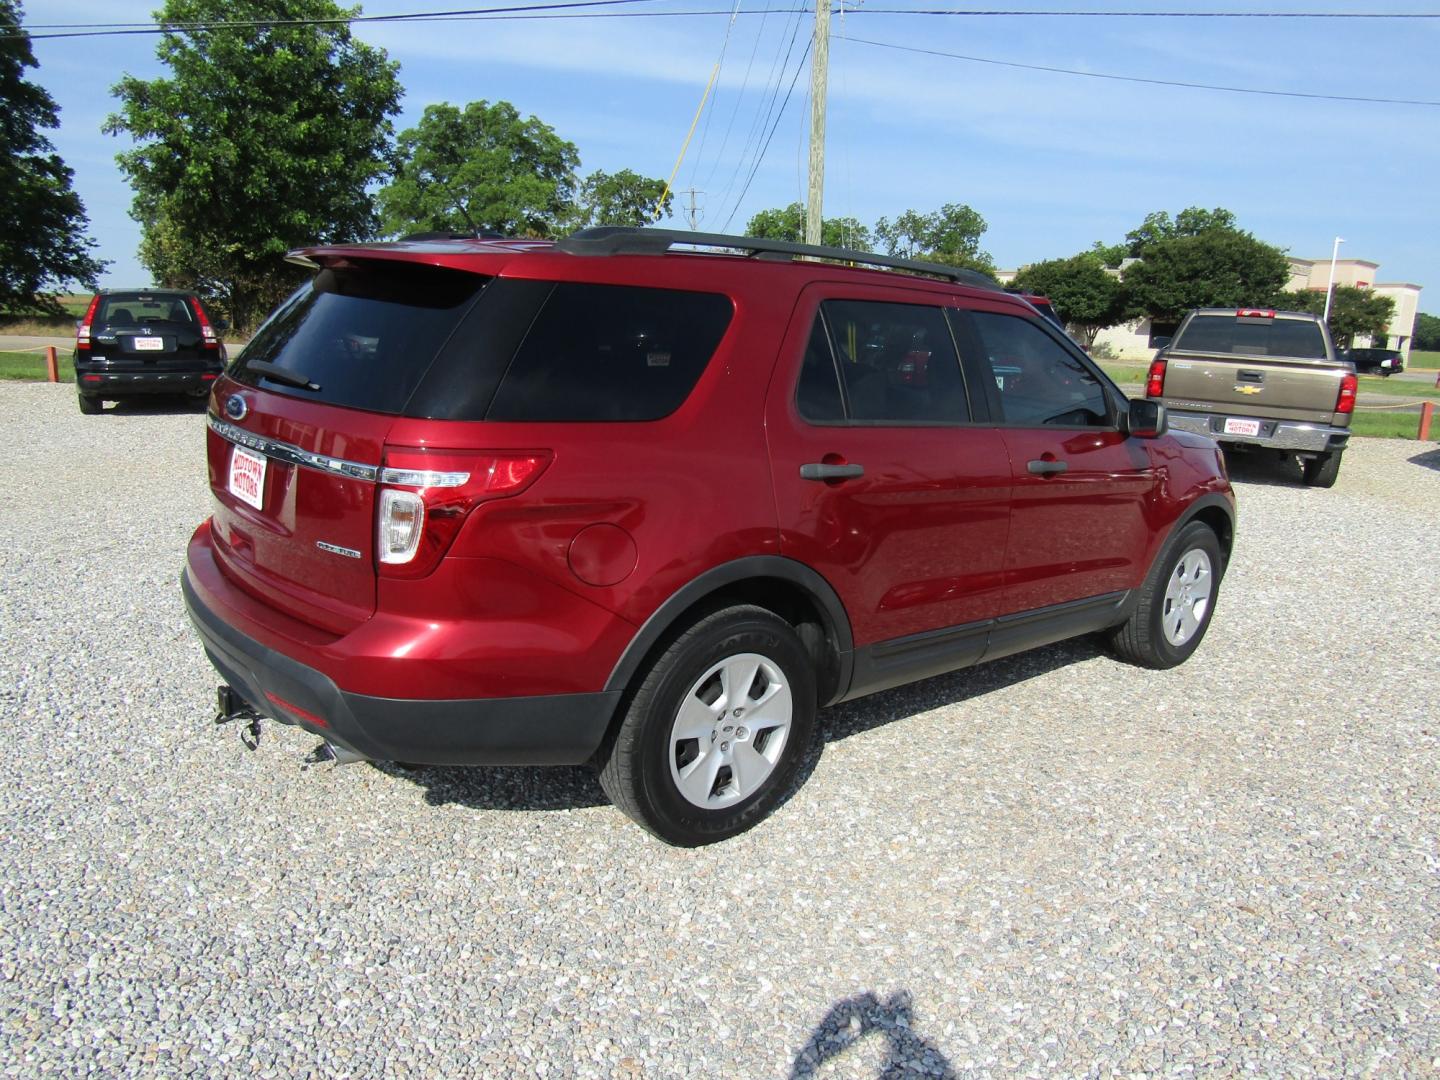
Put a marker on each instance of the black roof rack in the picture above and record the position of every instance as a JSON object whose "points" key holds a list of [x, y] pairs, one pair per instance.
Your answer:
{"points": [[622, 240]]}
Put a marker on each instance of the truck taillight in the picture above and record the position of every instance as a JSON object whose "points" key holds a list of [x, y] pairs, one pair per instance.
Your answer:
{"points": [[207, 332], [1345, 403], [426, 495], [1155, 381], [82, 332]]}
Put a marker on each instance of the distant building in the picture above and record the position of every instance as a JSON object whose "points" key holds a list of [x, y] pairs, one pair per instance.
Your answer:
{"points": [[1137, 340]]}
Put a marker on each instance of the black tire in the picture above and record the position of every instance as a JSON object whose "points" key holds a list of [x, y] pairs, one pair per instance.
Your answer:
{"points": [[89, 403], [642, 760], [1321, 471], [1149, 636]]}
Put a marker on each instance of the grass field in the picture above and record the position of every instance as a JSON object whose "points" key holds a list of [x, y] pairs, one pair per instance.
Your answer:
{"points": [[48, 326], [31, 366], [1391, 425], [1425, 361]]}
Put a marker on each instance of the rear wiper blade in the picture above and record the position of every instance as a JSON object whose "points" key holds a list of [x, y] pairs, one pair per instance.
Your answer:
{"points": [[281, 375]]}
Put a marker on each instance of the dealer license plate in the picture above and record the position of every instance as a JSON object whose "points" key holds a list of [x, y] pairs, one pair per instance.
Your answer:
{"points": [[247, 477], [149, 344], [1241, 427]]}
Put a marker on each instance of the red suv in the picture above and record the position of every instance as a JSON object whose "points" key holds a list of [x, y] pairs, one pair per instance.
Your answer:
{"points": [[515, 502]]}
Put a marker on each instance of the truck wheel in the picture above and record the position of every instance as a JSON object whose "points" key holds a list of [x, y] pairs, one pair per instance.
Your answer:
{"points": [[1322, 471], [89, 403], [710, 742], [1176, 602]]}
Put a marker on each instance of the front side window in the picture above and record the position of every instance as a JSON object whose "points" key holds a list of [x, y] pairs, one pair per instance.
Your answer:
{"points": [[881, 363], [1040, 382]]}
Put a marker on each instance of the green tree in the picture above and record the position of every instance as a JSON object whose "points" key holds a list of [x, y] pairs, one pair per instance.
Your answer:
{"points": [[1353, 311], [1427, 332], [43, 244], [789, 224], [1085, 295], [1222, 267], [950, 235], [1158, 227], [622, 198], [267, 134], [483, 169]]}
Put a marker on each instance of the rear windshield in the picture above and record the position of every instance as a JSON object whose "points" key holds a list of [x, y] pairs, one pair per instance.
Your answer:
{"points": [[1253, 336], [361, 337], [135, 309], [449, 345]]}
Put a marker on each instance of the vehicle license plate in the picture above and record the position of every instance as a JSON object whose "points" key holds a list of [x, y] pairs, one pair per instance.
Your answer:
{"points": [[247, 477], [1241, 427], [149, 344]]}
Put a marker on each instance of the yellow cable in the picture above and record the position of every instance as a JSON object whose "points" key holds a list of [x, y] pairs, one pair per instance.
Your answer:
{"points": [[660, 206]]}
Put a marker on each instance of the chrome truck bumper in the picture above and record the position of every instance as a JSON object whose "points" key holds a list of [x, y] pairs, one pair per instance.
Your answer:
{"points": [[1287, 435]]}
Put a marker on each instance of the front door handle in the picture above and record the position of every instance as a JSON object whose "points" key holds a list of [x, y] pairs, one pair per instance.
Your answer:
{"points": [[821, 471], [1040, 467]]}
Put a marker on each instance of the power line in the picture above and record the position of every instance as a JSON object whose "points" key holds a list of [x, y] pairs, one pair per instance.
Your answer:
{"points": [[743, 191], [1139, 79], [566, 10]]}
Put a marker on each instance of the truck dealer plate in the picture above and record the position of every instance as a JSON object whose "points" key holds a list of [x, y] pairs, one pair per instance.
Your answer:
{"points": [[1234, 426]]}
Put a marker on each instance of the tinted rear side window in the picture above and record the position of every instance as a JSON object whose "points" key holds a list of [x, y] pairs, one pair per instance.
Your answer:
{"points": [[365, 336], [611, 352], [1253, 336], [135, 309]]}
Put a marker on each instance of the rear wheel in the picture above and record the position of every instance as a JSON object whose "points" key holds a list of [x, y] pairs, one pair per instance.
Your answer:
{"points": [[1322, 471], [89, 403], [1176, 602], [712, 739]]}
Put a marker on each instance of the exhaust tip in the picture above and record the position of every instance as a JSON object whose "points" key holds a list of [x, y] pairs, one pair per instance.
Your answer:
{"points": [[328, 751]]}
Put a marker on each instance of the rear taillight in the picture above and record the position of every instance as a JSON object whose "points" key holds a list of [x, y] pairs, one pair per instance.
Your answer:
{"points": [[82, 332], [426, 495], [207, 332], [1345, 403], [1155, 381]]}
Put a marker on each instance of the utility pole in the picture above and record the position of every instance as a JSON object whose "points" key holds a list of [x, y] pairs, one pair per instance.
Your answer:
{"points": [[692, 212], [819, 71]]}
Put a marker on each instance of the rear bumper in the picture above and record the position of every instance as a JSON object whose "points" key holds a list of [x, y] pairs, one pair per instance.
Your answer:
{"points": [[106, 383], [1286, 435], [555, 729]]}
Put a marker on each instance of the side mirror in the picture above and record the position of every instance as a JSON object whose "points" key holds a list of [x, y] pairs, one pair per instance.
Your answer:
{"points": [[1161, 341], [221, 325], [1146, 419]]}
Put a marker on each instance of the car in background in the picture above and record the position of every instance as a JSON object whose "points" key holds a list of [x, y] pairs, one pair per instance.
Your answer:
{"points": [[134, 342], [1375, 361]]}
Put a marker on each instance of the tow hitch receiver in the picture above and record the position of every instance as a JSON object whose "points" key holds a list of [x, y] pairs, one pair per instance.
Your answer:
{"points": [[232, 706]]}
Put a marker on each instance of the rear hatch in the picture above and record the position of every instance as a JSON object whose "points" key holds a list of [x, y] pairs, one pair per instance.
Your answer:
{"points": [[1258, 364], [298, 428], [143, 331]]}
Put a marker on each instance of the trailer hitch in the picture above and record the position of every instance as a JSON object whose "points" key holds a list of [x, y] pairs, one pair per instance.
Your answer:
{"points": [[232, 707]]}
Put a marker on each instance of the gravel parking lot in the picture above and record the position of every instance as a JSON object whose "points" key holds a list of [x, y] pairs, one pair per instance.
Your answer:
{"points": [[1053, 865]]}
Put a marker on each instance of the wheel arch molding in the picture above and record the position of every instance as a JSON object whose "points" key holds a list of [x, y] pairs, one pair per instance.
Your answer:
{"points": [[791, 589]]}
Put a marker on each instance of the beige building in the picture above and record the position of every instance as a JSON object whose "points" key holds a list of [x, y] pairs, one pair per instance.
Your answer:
{"points": [[1136, 340]]}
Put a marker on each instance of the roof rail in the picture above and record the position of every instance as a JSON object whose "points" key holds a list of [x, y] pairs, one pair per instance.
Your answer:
{"points": [[623, 240]]}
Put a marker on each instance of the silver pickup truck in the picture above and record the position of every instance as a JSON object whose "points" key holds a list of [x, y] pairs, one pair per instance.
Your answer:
{"points": [[1259, 378]]}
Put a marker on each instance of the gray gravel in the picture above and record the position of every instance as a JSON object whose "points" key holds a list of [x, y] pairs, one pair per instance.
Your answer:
{"points": [[1054, 865]]}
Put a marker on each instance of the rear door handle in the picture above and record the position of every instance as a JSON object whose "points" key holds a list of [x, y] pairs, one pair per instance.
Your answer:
{"points": [[1046, 468], [821, 471]]}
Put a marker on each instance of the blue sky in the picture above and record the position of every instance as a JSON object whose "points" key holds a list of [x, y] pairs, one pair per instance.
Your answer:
{"points": [[1052, 161]]}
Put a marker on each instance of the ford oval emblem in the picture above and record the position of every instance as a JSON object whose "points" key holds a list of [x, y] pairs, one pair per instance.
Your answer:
{"points": [[235, 407]]}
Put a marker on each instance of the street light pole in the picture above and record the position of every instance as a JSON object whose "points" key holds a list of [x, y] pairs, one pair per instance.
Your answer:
{"points": [[1330, 288]]}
